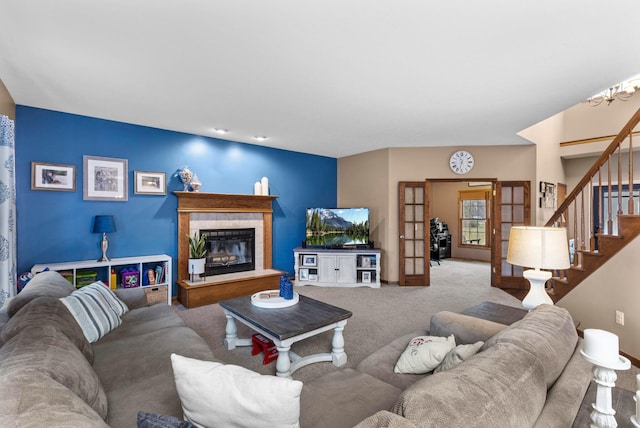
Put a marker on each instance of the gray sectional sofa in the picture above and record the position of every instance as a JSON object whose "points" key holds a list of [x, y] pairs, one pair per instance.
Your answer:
{"points": [[50, 376], [527, 374]]}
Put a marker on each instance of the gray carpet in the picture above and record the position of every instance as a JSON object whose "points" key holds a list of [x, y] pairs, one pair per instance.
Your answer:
{"points": [[379, 315]]}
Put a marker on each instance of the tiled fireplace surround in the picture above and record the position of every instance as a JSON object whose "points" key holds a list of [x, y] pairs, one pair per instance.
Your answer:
{"points": [[204, 221], [201, 210]]}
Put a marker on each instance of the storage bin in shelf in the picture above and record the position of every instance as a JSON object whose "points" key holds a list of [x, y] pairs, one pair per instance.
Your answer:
{"points": [[271, 299]]}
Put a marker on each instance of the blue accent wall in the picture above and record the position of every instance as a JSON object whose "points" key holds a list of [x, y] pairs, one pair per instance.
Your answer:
{"points": [[56, 226]]}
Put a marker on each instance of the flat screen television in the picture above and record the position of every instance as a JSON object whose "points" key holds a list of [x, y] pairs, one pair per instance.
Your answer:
{"points": [[337, 227]]}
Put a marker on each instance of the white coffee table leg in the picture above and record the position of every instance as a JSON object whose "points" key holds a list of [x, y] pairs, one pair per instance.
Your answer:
{"points": [[231, 332], [283, 363], [338, 356]]}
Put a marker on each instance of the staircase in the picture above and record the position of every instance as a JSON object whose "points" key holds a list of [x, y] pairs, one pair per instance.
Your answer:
{"points": [[601, 214]]}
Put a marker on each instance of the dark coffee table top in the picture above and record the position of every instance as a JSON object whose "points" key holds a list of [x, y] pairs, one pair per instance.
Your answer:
{"points": [[621, 401], [496, 312], [307, 315]]}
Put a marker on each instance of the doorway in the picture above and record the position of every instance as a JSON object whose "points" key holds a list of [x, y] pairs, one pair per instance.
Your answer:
{"points": [[510, 205], [463, 208]]}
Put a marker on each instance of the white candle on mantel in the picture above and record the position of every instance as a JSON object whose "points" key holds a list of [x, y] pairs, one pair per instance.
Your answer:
{"points": [[638, 382], [264, 183], [257, 188]]}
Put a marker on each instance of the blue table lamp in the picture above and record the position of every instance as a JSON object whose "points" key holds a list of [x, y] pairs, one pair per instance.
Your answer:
{"points": [[104, 224]]}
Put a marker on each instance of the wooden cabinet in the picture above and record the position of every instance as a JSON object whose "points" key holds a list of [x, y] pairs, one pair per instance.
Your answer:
{"points": [[337, 268], [152, 273]]}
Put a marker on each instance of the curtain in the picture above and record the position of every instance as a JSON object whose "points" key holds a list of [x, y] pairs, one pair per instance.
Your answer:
{"points": [[8, 275]]}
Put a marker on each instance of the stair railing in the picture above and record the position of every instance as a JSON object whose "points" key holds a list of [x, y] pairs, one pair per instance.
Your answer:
{"points": [[584, 223]]}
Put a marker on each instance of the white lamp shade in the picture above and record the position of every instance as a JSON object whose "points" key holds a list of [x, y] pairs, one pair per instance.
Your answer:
{"points": [[538, 247]]}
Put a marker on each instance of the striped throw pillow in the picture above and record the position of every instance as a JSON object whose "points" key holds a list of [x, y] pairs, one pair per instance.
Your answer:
{"points": [[99, 287], [93, 313]]}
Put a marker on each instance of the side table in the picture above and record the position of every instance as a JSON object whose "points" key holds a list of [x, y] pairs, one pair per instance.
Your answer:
{"points": [[621, 401], [496, 312]]}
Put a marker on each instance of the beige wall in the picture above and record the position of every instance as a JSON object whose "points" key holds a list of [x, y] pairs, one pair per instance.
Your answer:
{"points": [[584, 121], [7, 106], [612, 287], [363, 180], [546, 134]]}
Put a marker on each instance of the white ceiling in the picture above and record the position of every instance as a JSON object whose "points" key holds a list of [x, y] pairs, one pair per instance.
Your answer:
{"points": [[327, 77]]}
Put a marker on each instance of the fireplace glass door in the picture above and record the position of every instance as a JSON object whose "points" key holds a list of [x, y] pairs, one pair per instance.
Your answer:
{"points": [[229, 250]]}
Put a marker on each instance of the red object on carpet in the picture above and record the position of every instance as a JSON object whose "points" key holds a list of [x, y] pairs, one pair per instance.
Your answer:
{"points": [[265, 345]]}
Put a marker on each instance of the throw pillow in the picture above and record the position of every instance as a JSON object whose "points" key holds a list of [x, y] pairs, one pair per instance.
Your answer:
{"points": [[457, 355], [99, 287], [224, 395], [152, 420], [424, 353], [92, 313]]}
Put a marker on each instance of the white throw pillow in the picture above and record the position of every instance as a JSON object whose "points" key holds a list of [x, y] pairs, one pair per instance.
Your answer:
{"points": [[99, 287], [224, 395], [424, 353], [457, 355], [93, 313]]}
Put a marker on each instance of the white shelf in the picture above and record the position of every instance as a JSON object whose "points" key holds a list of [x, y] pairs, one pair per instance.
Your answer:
{"points": [[103, 270]]}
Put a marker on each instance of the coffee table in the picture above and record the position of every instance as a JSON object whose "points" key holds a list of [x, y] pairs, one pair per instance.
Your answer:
{"points": [[286, 326]]}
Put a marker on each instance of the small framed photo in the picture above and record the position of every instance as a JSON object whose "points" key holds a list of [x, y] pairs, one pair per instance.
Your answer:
{"points": [[313, 277], [309, 260], [366, 277], [304, 274], [150, 183], [105, 179], [53, 176]]}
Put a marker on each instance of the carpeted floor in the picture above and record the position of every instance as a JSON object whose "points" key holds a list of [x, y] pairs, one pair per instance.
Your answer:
{"points": [[379, 315]]}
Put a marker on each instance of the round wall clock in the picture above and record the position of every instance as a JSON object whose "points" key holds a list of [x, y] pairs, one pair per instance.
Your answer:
{"points": [[461, 162]]}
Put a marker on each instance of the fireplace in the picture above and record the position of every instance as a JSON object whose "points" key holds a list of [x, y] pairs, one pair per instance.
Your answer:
{"points": [[229, 250], [200, 211]]}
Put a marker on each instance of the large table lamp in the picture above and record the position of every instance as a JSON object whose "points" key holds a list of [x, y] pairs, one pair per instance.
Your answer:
{"points": [[538, 248], [104, 224]]}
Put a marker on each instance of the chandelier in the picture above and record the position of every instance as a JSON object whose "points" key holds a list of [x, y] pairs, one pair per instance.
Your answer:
{"points": [[621, 91]]}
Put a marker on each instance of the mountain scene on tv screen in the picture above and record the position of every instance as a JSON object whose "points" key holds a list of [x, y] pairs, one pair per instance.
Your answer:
{"points": [[337, 227]]}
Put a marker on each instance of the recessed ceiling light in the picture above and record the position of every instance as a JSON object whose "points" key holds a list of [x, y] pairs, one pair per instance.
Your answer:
{"points": [[260, 138], [220, 130]]}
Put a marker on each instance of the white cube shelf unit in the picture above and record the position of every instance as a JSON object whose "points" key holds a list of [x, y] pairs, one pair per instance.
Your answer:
{"points": [[110, 273], [337, 268]]}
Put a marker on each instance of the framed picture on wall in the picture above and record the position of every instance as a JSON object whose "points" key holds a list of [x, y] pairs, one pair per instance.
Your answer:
{"points": [[150, 183], [105, 179], [53, 176]]}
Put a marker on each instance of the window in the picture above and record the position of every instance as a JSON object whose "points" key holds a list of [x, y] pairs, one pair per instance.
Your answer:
{"points": [[474, 216]]}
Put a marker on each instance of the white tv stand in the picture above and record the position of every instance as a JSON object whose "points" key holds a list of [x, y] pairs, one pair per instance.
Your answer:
{"points": [[358, 267]]}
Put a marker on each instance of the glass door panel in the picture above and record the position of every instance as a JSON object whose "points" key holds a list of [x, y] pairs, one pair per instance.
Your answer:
{"points": [[414, 264]]}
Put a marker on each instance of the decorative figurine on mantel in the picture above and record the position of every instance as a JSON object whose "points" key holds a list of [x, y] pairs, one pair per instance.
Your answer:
{"points": [[186, 176], [195, 183]]}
